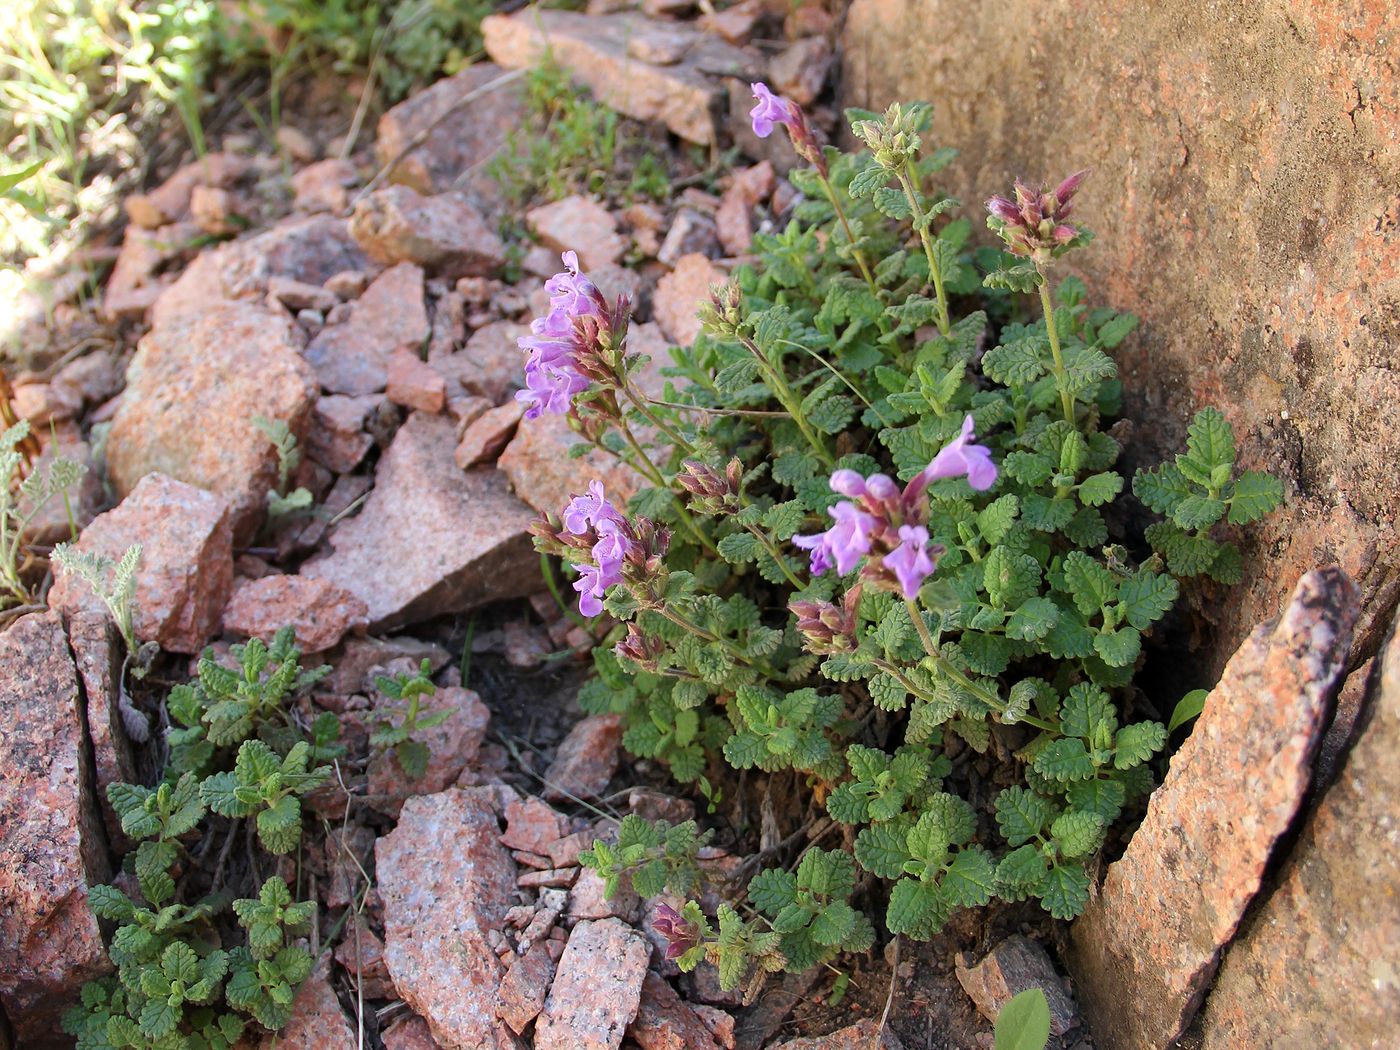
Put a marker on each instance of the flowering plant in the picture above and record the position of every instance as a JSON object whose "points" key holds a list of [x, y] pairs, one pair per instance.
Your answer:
{"points": [[880, 528]]}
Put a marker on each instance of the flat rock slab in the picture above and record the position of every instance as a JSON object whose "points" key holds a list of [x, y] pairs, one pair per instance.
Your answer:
{"points": [[665, 1022], [1147, 946], [446, 880], [193, 391], [186, 568], [51, 843], [431, 539], [318, 611], [596, 990], [98, 652], [459, 136], [1013, 966], [608, 54], [443, 234], [1322, 955], [585, 760], [353, 357], [452, 746]]}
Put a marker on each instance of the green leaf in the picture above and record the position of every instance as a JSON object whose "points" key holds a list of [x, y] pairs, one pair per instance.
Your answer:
{"points": [[1033, 620], [1116, 330], [1210, 440], [1045, 514], [1136, 743], [1098, 489], [1187, 708], [887, 693], [1254, 495], [915, 909], [1162, 488], [1065, 891], [1024, 1022], [772, 890], [833, 924], [1198, 512], [1088, 713], [994, 521], [1104, 798], [881, 849], [1078, 833], [1021, 814], [891, 202], [970, 879], [1090, 583], [1146, 597], [1118, 648], [1016, 363], [1064, 761]]}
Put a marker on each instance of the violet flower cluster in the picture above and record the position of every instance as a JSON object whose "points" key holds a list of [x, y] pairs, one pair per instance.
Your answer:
{"points": [[1033, 225], [567, 347], [593, 515], [885, 526]]}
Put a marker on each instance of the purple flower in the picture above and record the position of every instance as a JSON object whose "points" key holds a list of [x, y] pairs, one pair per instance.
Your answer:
{"points": [[571, 293], [910, 561], [1033, 225], [771, 109], [549, 387], [680, 934], [552, 375], [611, 547], [959, 458], [844, 544], [590, 509]]}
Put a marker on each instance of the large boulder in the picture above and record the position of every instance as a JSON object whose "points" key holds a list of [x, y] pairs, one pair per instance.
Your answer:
{"points": [[51, 842], [437, 914], [1245, 163], [1148, 944], [431, 539], [193, 391], [186, 568], [1321, 956]]}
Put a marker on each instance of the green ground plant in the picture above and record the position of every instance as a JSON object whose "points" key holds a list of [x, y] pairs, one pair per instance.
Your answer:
{"points": [[237, 753], [882, 529], [24, 494]]}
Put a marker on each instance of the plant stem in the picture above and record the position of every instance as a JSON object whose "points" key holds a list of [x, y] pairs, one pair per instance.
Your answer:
{"points": [[656, 421], [789, 401], [654, 475], [776, 555], [945, 324], [850, 236], [1061, 381]]}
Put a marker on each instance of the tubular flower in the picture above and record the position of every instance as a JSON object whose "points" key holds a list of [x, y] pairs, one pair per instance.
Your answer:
{"points": [[1033, 224], [771, 110], [680, 934], [566, 346], [826, 627], [885, 525]]}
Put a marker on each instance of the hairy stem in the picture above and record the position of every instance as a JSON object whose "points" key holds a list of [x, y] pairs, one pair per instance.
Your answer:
{"points": [[789, 401], [850, 236], [776, 555], [1061, 380], [654, 476], [945, 323]]}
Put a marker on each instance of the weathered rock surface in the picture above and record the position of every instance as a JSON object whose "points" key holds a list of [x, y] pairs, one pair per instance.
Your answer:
{"points": [[664, 1022], [586, 759], [353, 357], [452, 746], [97, 653], [437, 915], [1321, 956], [601, 52], [679, 295], [310, 250], [170, 200], [578, 224], [1014, 965], [324, 186], [413, 383], [596, 989], [524, 987], [864, 1035], [336, 436], [490, 365], [455, 540], [193, 391], [443, 234], [485, 437], [319, 612], [1258, 240], [1147, 946], [412, 1033], [459, 136], [51, 843], [186, 569]]}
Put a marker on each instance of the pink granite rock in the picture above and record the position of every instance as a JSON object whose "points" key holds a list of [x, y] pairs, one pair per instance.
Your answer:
{"points": [[186, 569], [488, 434], [596, 990], [586, 760], [452, 746], [578, 224], [51, 842], [353, 357], [524, 987], [193, 391], [413, 383], [679, 295], [324, 186], [437, 915], [443, 234], [320, 612], [664, 1022], [863, 1035], [455, 540], [98, 652], [336, 436], [317, 1019]]}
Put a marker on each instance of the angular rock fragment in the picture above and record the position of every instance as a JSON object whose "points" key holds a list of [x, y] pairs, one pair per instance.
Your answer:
{"points": [[488, 434], [324, 186], [456, 135], [317, 1019], [443, 234], [455, 540], [336, 436], [524, 987], [600, 52], [664, 1022], [353, 357], [586, 759], [411, 1033], [578, 224], [1010, 968], [437, 915], [679, 295], [413, 383], [320, 612], [1320, 957], [452, 746], [596, 989], [193, 391], [186, 568], [98, 652], [864, 1035], [51, 841], [170, 201], [1147, 946]]}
